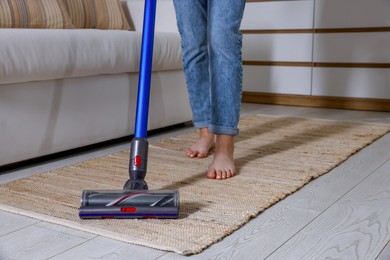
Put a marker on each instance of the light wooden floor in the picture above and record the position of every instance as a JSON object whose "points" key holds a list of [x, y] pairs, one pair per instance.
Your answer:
{"points": [[344, 214]]}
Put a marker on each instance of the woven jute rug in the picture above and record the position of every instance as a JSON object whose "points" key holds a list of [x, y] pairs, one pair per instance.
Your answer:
{"points": [[275, 157]]}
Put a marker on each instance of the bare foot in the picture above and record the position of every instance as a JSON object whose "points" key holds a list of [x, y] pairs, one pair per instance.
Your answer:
{"points": [[203, 146], [223, 166]]}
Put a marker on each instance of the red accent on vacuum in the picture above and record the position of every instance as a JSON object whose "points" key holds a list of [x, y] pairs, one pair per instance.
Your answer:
{"points": [[129, 210], [137, 160]]}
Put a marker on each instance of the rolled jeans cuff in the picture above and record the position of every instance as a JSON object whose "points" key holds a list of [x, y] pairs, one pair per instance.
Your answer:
{"points": [[203, 124], [224, 130]]}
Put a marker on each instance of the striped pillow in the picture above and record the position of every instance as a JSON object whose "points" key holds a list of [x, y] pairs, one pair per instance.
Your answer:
{"points": [[48, 14], [98, 14]]}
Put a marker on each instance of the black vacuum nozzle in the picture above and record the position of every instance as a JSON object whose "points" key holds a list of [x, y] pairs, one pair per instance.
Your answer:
{"points": [[135, 201], [130, 204]]}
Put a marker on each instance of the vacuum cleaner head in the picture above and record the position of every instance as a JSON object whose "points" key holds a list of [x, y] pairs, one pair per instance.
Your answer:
{"points": [[135, 200], [129, 204]]}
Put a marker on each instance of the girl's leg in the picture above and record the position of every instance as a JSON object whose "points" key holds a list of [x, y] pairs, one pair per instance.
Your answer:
{"points": [[225, 43], [192, 20]]}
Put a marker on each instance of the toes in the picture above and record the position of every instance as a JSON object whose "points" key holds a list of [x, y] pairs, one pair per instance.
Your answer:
{"points": [[232, 172], [201, 155], [196, 154], [211, 174], [228, 173], [220, 175], [192, 154], [224, 175]]}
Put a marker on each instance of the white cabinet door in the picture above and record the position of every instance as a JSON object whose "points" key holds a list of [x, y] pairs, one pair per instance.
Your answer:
{"points": [[352, 47], [277, 79], [352, 13], [278, 47], [278, 15], [351, 82]]}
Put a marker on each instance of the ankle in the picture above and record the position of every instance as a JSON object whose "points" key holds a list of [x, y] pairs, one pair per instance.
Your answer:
{"points": [[225, 143], [205, 133]]}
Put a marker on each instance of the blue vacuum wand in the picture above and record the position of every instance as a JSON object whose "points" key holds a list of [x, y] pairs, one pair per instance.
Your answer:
{"points": [[136, 201]]}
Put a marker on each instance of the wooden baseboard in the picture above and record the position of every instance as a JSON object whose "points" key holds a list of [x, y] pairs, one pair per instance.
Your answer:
{"points": [[317, 64], [368, 104]]}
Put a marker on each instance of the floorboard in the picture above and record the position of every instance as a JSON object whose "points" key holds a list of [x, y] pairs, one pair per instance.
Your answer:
{"points": [[325, 204], [34, 242], [11, 222], [356, 227], [104, 248], [385, 253]]}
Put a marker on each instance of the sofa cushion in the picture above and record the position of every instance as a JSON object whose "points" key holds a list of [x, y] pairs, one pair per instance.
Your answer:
{"points": [[97, 14], [34, 14], [36, 54]]}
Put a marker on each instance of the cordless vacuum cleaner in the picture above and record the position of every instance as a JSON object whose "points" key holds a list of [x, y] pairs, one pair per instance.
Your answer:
{"points": [[136, 201]]}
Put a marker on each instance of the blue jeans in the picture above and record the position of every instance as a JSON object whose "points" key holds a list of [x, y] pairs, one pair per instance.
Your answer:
{"points": [[211, 45]]}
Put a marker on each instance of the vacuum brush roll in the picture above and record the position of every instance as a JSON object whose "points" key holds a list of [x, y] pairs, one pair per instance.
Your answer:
{"points": [[130, 204]]}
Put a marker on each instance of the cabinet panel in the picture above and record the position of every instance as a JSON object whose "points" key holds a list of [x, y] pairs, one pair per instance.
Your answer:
{"points": [[278, 47], [278, 15], [352, 47], [351, 82], [352, 13], [165, 15], [277, 79]]}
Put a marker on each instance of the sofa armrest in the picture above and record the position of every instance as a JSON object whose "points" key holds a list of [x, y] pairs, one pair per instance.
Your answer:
{"points": [[165, 15]]}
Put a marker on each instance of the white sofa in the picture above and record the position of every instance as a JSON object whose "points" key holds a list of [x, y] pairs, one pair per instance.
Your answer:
{"points": [[68, 88]]}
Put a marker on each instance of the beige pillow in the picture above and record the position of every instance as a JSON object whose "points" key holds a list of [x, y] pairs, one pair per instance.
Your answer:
{"points": [[34, 14], [98, 14]]}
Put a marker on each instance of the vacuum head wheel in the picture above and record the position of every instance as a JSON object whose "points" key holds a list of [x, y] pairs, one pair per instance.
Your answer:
{"points": [[135, 185]]}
